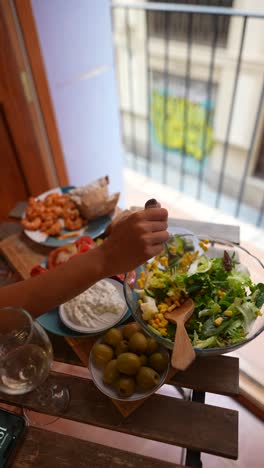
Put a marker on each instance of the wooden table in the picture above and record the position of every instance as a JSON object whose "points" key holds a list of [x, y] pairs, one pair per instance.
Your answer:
{"points": [[191, 424]]}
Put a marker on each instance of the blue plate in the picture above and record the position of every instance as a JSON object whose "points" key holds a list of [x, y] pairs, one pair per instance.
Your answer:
{"points": [[51, 322], [93, 229]]}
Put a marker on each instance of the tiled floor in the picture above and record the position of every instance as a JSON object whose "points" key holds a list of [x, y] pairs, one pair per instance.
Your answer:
{"points": [[138, 188], [189, 183]]}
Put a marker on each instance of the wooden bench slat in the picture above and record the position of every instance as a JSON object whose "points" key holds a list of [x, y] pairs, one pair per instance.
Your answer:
{"points": [[214, 374], [41, 448], [169, 420]]}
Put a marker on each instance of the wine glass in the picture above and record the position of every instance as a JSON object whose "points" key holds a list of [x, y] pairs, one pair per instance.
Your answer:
{"points": [[25, 360]]}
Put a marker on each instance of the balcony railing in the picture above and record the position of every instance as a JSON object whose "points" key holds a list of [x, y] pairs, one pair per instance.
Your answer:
{"points": [[192, 113], [202, 24]]}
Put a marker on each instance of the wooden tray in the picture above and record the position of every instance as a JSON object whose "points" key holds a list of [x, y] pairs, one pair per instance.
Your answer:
{"points": [[82, 347], [22, 253]]}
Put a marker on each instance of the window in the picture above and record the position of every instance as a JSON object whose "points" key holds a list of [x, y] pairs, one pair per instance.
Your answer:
{"points": [[202, 26]]}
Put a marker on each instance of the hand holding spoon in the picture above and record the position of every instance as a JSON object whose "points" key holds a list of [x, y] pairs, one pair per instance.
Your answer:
{"points": [[183, 353]]}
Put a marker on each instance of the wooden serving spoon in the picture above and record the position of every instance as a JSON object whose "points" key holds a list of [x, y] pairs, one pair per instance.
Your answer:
{"points": [[183, 353]]}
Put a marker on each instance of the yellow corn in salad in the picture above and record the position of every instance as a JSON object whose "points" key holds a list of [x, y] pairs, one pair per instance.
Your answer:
{"points": [[171, 302], [187, 259], [165, 285]]}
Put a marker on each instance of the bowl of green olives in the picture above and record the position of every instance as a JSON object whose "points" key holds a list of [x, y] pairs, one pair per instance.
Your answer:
{"points": [[128, 365]]}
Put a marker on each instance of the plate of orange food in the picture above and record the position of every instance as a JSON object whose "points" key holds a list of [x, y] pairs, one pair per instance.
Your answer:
{"points": [[63, 214]]}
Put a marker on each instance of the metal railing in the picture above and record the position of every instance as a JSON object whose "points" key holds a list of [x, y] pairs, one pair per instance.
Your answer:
{"points": [[202, 26], [229, 144]]}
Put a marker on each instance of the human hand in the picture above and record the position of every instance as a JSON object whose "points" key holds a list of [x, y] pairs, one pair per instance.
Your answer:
{"points": [[135, 239]]}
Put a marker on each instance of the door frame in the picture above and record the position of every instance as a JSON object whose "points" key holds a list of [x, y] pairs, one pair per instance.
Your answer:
{"points": [[18, 107], [25, 43]]}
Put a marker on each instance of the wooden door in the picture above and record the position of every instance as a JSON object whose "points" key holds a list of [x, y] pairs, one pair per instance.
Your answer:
{"points": [[13, 187], [22, 168]]}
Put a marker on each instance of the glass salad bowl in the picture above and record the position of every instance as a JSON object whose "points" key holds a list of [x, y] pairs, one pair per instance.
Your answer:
{"points": [[223, 279]]}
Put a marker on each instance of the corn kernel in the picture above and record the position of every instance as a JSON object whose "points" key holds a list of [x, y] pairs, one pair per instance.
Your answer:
{"points": [[203, 246], [228, 313], [160, 316], [172, 307], [218, 321], [164, 261], [164, 323]]}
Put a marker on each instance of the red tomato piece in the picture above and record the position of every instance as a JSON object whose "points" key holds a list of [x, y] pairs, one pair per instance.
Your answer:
{"points": [[37, 270], [61, 255], [130, 278]]}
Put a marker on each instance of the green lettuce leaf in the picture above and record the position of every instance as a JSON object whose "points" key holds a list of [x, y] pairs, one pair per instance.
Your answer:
{"points": [[248, 310], [259, 301], [210, 342], [237, 278]]}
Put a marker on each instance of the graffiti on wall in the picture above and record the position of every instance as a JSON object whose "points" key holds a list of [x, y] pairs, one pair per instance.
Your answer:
{"points": [[186, 127]]}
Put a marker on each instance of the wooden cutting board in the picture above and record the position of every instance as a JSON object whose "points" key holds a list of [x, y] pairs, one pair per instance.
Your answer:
{"points": [[23, 254], [82, 347]]}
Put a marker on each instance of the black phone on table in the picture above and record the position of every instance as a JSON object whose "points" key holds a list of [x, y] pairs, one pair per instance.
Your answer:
{"points": [[12, 431]]}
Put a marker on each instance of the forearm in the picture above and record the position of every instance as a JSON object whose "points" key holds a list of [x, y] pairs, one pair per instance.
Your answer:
{"points": [[131, 242], [48, 290]]}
